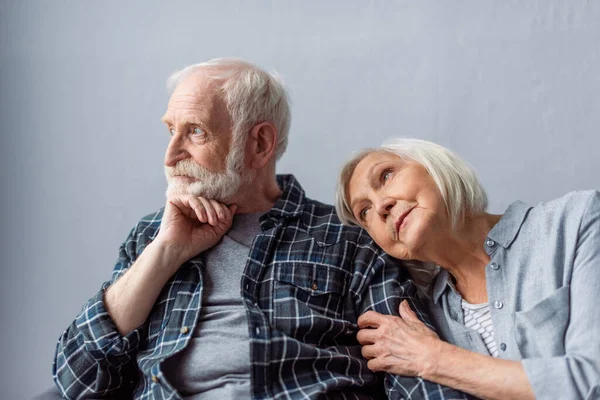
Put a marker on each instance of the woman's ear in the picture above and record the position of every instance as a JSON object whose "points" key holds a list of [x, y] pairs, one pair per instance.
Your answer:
{"points": [[262, 143]]}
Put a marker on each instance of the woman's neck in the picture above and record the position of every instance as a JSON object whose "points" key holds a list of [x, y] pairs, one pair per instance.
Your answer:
{"points": [[462, 254]]}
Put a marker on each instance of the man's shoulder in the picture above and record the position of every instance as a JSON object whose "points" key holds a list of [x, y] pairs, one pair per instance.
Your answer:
{"points": [[322, 221]]}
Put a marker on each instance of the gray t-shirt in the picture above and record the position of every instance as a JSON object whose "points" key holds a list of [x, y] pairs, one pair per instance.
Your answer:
{"points": [[216, 362]]}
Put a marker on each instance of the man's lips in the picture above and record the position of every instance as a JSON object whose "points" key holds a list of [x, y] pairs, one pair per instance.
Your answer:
{"points": [[185, 177], [401, 219]]}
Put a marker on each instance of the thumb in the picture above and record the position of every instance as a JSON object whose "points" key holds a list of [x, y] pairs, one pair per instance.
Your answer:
{"points": [[232, 209], [406, 313]]}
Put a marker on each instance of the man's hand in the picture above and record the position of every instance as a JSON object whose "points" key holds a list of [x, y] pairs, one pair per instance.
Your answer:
{"points": [[192, 224]]}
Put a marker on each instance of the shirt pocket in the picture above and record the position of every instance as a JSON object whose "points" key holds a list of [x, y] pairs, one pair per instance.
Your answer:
{"points": [[309, 302], [540, 330]]}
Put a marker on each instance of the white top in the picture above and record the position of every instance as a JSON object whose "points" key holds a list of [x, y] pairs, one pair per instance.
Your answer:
{"points": [[478, 318]]}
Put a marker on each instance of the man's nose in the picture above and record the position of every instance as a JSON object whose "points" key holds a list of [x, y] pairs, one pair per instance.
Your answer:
{"points": [[175, 152], [384, 206]]}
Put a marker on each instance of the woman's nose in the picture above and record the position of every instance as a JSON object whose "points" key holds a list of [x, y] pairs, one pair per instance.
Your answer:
{"points": [[384, 207]]}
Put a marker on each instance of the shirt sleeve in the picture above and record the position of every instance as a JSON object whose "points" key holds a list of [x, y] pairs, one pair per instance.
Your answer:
{"points": [[92, 358], [576, 375], [387, 286]]}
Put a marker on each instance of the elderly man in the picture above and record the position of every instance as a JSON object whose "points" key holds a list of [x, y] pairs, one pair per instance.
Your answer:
{"points": [[240, 287]]}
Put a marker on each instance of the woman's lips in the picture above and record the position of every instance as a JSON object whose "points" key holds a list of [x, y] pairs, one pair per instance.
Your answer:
{"points": [[401, 219]]}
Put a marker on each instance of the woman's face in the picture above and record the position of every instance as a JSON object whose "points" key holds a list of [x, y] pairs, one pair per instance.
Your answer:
{"points": [[398, 203]]}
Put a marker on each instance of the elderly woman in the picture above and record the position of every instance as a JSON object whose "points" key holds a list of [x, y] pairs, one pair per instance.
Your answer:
{"points": [[516, 296]]}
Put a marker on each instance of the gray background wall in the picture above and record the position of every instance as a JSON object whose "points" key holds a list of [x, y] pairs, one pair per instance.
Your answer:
{"points": [[513, 86]]}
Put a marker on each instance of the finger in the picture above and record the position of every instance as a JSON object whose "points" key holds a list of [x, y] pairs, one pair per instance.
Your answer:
{"points": [[377, 364], [219, 210], [183, 208], [198, 208], [232, 209], [369, 352], [392, 365], [407, 313], [367, 336], [210, 212], [370, 319]]}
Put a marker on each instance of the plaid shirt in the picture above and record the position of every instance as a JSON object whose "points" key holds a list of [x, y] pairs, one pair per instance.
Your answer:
{"points": [[306, 281]]}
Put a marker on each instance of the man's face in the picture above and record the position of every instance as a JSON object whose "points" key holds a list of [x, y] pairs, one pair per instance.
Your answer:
{"points": [[198, 160]]}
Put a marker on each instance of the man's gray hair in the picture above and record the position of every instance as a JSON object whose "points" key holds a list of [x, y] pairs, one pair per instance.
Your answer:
{"points": [[252, 95], [456, 180]]}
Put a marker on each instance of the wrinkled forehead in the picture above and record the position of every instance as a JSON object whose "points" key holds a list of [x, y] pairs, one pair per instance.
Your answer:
{"points": [[364, 168], [198, 95], [198, 86]]}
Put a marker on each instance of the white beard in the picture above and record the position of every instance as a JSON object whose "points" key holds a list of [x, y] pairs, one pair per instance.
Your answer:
{"points": [[219, 186]]}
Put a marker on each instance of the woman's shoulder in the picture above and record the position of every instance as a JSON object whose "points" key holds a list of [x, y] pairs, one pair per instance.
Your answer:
{"points": [[571, 204], [562, 217]]}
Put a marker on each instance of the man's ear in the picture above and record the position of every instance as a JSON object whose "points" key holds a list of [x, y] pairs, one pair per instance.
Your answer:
{"points": [[262, 143]]}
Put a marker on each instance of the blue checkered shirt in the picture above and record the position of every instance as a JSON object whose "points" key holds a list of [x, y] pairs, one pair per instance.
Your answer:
{"points": [[307, 280]]}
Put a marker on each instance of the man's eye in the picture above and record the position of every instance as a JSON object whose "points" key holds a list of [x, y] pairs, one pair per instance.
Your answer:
{"points": [[197, 131], [171, 132]]}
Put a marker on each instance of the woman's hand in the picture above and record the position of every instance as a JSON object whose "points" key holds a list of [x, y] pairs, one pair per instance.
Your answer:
{"points": [[399, 345]]}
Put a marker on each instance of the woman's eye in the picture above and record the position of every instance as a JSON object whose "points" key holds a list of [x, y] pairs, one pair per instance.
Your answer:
{"points": [[385, 175], [363, 213], [197, 131]]}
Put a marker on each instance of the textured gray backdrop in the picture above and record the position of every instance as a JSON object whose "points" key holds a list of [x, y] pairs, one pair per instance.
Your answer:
{"points": [[513, 86]]}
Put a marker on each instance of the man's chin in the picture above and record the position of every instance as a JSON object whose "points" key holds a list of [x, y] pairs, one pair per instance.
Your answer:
{"points": [[194, 190]]}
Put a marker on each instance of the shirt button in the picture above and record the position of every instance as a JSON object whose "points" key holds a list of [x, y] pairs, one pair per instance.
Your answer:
{"points": [[494, 266], [184, 329], [257, 330], [498, 304], [503, 346], [154, 378], [247, 286], [490, 243], [315, 286]]}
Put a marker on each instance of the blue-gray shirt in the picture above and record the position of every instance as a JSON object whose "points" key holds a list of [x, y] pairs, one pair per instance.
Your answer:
{"points": [[543, 281]]}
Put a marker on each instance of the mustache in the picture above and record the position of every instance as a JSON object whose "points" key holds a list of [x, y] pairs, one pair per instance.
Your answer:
{"points": [[187, 168]]}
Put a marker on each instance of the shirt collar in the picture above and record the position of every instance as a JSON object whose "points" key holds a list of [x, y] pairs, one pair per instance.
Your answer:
{"points": [[291, 202], [506, 230], [503, 233], [442, 281]]}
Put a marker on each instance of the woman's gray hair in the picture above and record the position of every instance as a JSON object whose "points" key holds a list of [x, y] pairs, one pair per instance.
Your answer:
{"points": [[252, 95], [456, 180]]}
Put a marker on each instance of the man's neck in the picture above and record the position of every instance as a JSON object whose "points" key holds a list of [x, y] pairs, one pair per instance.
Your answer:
{"points": [[259, 195]]}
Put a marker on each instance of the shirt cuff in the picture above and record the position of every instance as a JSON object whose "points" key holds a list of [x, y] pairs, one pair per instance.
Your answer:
{"points": [[101, 338]]}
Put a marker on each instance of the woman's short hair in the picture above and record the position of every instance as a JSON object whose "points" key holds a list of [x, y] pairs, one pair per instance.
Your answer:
{"points": [[456, 180]]}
